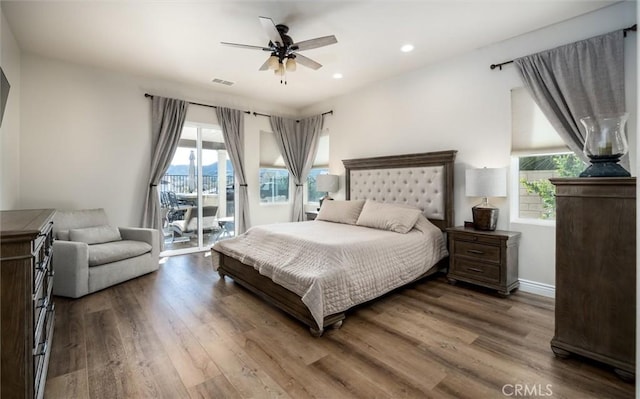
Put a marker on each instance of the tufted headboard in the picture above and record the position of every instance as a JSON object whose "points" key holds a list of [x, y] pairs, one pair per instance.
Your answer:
{"points": [[422, 180]]}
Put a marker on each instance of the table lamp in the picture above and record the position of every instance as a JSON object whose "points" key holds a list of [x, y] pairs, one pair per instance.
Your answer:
{"points": [[328, 184], [485, 182]]}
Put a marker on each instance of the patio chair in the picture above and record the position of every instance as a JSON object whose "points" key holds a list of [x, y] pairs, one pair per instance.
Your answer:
{"points": [[168, 199], [189, 225]]}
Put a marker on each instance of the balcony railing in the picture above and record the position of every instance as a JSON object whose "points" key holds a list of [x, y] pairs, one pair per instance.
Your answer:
{"points": [[180, 183]]}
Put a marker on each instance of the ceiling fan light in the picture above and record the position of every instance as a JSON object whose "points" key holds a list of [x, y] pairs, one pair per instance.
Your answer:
{"points": [[279, 70], [291, 64], [274, 62]]}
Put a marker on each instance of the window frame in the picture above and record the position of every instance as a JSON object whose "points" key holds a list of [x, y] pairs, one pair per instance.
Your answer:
{"points": [[274, 203], [514, 187]]}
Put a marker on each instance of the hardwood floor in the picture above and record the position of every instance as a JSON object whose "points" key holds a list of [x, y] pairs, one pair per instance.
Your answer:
{"points": [[184, 333]]}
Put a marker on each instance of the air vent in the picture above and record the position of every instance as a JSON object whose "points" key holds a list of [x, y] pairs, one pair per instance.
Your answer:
{"points": [[223, 82]]}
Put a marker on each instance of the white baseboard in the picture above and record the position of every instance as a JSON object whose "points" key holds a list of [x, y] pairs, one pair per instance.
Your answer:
{"points": [[535, 287]]}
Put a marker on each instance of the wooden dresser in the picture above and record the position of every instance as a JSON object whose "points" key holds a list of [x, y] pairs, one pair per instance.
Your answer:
{"points": [[595, 312], [27, 310]]}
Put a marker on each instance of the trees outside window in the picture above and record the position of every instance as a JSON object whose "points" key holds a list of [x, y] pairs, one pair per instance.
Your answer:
{"points": [[537, 195]]}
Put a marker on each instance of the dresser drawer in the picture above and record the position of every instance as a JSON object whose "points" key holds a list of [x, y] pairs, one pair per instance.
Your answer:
{"points": [[477, 250], [476, 270], [42, 303]]}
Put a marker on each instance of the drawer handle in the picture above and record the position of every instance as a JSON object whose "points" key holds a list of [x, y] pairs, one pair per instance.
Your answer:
{"points": [[43, 351], [45, 303], [475, 251], [473, 269]]}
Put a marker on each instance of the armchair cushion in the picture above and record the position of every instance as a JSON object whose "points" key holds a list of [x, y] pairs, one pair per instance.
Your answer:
{"points": [[100, 254], [95, 235], [63, 235], [66, 220]]}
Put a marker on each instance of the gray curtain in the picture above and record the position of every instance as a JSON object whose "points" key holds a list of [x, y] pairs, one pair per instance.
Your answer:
{"points": [[167, 119], [577, 80], [232, 123], [298, 143]]}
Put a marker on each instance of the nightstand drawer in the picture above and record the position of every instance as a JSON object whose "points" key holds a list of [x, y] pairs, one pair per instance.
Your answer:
{"points": [[477, 250], [476, 270]]}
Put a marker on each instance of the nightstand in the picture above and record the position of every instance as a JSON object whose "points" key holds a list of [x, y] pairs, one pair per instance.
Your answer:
{"points": [[311, 215], [486, 258]]}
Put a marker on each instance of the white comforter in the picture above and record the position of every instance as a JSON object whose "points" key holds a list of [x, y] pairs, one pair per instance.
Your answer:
{"points": [[334, 266]]}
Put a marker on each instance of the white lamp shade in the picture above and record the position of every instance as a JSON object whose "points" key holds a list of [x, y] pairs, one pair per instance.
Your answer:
{"points": [[486, 182], [291, 65], [273, 62], [327, 183]]}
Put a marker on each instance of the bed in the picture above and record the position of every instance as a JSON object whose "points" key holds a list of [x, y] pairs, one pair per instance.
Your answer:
{"points": [[423, 181]]}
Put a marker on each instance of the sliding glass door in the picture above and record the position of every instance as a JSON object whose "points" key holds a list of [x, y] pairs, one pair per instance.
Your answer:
{"points": [[196, 196]]}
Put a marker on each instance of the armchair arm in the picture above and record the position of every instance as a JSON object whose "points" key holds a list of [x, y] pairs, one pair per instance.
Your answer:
{"points": [[71, 266], [150, 236]]}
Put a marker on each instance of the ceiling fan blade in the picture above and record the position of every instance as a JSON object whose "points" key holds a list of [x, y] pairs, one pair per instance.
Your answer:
{"points": [[265, 66], [247, 46], [308, 62], [314, 43], [271, 31]]}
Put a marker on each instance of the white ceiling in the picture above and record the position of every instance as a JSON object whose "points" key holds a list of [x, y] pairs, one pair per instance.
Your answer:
{"points": [[180, 40]]}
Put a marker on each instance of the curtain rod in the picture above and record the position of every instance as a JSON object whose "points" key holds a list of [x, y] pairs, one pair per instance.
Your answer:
{"points": [[297, 120], [191, 102], [624, 31]]}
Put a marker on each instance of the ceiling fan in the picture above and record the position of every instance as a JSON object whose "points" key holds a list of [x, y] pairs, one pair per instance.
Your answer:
{"points": [[284, 51]]}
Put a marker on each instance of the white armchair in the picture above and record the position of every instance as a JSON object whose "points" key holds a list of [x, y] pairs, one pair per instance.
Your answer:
{"points": [[89, 255]]}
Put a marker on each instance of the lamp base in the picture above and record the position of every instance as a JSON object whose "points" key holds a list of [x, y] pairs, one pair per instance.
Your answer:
{"points": [[325, 198], [605, 166], [485, 217]]}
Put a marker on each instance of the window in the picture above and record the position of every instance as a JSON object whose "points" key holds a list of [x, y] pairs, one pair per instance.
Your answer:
{"points": [[320, 166], [274, 177], [312, 194], [274, 185], [539, 154], [536, 194]]}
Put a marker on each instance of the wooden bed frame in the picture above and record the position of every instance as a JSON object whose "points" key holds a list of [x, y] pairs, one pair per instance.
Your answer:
{"points": [[290, 302]]}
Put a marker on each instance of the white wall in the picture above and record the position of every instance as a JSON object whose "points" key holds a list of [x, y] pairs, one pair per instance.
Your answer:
{"points": [[10, 129], [86, 137], [461, 104]]}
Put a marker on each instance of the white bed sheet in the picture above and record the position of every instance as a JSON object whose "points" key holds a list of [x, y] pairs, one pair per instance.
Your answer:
{"points": [[334, 266]]}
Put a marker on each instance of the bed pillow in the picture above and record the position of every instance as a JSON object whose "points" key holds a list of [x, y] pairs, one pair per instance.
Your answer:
{"points": [[393, 217], [95, 235], [346, 212]]}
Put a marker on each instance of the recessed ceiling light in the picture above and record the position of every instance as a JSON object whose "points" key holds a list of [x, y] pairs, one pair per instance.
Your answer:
{"points": [[337, 76], [406, 48]]}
